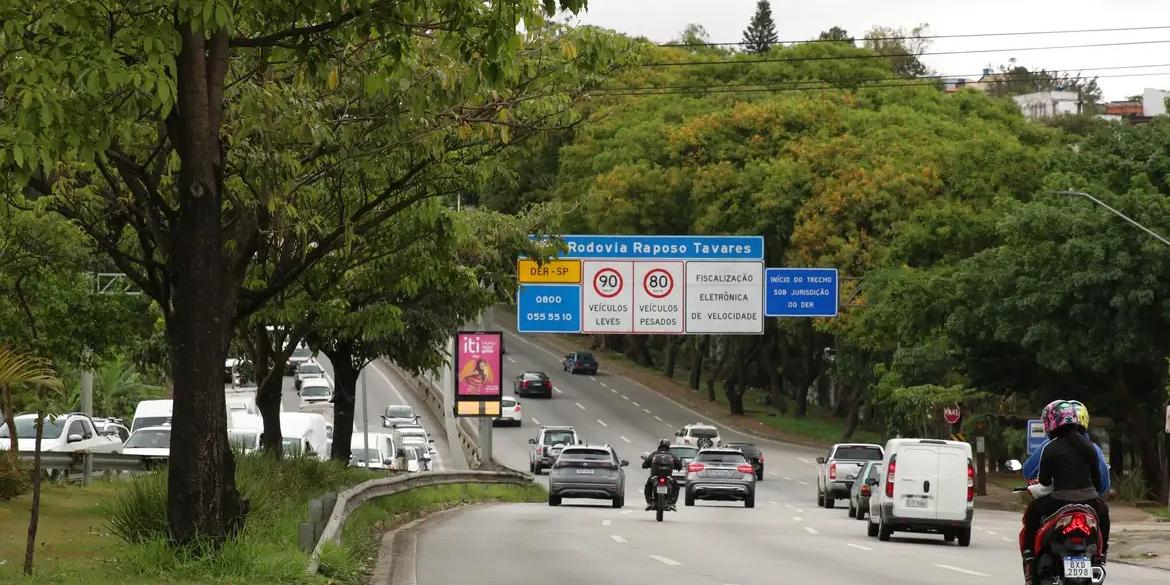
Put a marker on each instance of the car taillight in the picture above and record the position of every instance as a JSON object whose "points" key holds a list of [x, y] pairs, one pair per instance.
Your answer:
{"points": [[970, 481], [832, 471], [864, 490], [890, 476], [745, 468], [695, 467], [524, 384], [517, 408]]}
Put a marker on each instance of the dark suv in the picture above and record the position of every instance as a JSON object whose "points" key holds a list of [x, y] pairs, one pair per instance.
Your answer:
{"points": [[580, 362], [754, 456]]}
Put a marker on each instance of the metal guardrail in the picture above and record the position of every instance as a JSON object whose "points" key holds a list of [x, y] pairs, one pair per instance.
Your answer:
{"points": [[350, 499], [75, 461]]}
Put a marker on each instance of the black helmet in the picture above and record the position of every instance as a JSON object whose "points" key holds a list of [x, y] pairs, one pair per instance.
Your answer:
{"points": [[663, 445]]}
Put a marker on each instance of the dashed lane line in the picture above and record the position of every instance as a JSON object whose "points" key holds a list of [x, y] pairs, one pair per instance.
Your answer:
{"points": [[963, 571], [786, 478], [797, 518], [810, 530], [636, 404], [657, 418], [535, 422], [592, 378], [606, 522], [857, 546], [624, 439], [579, 405], [614, 390], [773, 503], [602, 423], [509, 358], [618, 538], [804, 483], [624, 397], [665, 561], [645, 410], [603, 385], [559, 391]]}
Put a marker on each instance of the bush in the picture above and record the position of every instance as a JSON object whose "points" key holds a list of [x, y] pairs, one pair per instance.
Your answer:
{"points": [[1131, 488], [14, 477]]}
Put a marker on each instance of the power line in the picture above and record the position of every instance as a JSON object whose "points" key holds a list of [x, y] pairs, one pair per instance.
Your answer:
{"points": [[878, 56], [916, 37], [797, 86], [1004, 76]]}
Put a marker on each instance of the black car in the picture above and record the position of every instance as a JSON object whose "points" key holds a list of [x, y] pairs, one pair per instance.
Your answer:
{"points": [[580, 362], [532, 384], [754, 456]]}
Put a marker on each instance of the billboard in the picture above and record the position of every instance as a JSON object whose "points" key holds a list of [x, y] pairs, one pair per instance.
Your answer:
{"points": [[478, 373]]}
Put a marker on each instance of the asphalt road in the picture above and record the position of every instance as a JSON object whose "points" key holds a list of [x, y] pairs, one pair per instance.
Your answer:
{"points": [[786, 537], [384, 387]]}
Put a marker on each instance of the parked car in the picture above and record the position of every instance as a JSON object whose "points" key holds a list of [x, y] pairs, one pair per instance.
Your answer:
{"points": [[304, 434], [686, 454], [925, 486], [532, 384], [754, 456], [106, 426], [244, 431], [588, 471], [309, 369], [509, 412], [580, 362], [837, 472], [399, 414], [299, 356], [377, 455], [151, 413], [720, 474], [315, 390], [415, 435], [548, 443], [60, 433], [701, 435], [150, 441], [861, 491], [417, 457]]}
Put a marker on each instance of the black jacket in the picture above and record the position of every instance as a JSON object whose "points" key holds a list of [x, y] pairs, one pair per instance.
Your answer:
{"points": [[1069, 464], [674, 462]]}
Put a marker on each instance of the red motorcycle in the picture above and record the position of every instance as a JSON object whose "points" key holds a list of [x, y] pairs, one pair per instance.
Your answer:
{"points": [[1068, 545]]}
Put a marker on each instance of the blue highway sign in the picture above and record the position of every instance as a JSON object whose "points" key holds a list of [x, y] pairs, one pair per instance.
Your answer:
{"points": [[800, 292], [548, 308]]}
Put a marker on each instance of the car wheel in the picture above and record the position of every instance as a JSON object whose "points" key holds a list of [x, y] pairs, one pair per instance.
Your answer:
{"points": [[829, 502], [852, 510], [690, 499], [536, 470], [554, 500], [965, 537], [519, 422], [949, 537], [619, 501], [820, 499], [760, 474], [861, 513], [548, 394], [884, 530], [750, 501], [871, 529]]}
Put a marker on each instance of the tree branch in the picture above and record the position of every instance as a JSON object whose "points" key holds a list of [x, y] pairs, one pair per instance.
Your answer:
{"points": [[274, 39]]}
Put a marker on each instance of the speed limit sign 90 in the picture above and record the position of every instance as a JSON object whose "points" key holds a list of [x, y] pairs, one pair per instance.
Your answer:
{"points": [[608, 282]]}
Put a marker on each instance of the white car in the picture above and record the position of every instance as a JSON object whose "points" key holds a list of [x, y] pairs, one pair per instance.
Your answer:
{"points": [[152, 413], [699, 435], [378, 455], [399, 414], [306, 371], [62, 433], [509, 412], [315, 390], [150, 442], [416, 435]]}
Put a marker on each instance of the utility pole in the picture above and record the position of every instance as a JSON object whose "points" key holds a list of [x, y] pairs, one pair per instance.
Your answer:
{"points": [[365, 421]]}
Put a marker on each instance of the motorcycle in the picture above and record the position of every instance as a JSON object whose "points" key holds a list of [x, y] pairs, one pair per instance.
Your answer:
{"points": [[661, 497], [1068, 544]]}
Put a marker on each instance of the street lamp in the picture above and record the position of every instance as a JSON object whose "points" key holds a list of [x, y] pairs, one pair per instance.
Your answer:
{"points": [[1115, 212]]}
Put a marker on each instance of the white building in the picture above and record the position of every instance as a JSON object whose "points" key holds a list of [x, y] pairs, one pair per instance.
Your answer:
{"points": [[1154, 102], [1048, 104]]}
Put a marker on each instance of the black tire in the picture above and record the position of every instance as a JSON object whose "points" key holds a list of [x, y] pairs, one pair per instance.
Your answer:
{"points": [[871, 529], [829, 502], [548, 394], [519, 423], [619, 501], [852, 510], [861, 512], [820, 499], [536, 469], [949, 537], [659, 506], [554, 500], [531, 468], [884, 531], [750, 501], [760, 474], [689, 499], [965, 537]]}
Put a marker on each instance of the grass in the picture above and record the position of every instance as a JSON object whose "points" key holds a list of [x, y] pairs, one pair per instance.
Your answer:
{"points": [[78, 543]]}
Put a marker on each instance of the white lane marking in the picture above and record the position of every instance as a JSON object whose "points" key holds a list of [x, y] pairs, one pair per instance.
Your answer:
{"points": [[796, 518], [614, 390], [602, 423], [787, 505], [535, 422], [786, 478], [991, 532], [806, 461], [579, 405], [804, 483], [624, 439], [810, 530], [857, 546], [773, 503], [592, 378], [559, 391], [636, 404], [603, 385], [800, 510], [606, 522], [625, 397], [668, 425], [386, 379], [657, 418], [509, 358], [963, 571], [665, 560], [618, 539], [1006, 539], [624, 512], [645, 411]]}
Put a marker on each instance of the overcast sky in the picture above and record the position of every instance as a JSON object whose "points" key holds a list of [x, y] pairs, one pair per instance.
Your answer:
{"points": [[661, 20]]}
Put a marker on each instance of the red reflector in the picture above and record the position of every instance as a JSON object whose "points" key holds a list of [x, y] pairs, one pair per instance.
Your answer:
{"points": [[745, 468], [695, 467], [661, 480], [1078, 523]]}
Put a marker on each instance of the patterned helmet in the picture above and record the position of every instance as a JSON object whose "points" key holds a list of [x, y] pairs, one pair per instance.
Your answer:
{"points": [[1059, 413], [1082, 413]]}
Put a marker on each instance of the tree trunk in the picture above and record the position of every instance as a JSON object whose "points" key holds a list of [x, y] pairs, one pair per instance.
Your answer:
{"points": [[9, 418], [268, 398], [34, 517], [697, 361], [734, 391], [345, 377], [672, 347], [853, 419], [638, 350], [720, 361], [1117, 447], [202, 500]]}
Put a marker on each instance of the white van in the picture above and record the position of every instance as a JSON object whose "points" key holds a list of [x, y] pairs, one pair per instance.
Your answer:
{"points": [[926, 486], [244, 431], [381, 454], [152, 413], [304, 433]]}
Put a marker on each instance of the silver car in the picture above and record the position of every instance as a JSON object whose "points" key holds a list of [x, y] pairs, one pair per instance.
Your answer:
{"points": [[588, 471], [721, 474], [686, 454]]}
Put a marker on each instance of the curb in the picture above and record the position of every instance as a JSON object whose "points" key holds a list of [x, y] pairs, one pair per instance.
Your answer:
{"points": [[398, 553]]}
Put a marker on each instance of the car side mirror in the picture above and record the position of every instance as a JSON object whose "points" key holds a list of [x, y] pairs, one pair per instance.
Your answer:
{"points": [[872, 481], [531, 441], [820, 460], [1013, 465], [644, 456], [430, 440], [74, 438], [625, 463]]}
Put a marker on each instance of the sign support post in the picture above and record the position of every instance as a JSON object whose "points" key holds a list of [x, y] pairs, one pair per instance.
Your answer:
{"points": [[487, 317], [365, 422]]}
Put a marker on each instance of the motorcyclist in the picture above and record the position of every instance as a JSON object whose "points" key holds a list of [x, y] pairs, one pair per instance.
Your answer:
{"points": [[661, 463], [1070, 465]]}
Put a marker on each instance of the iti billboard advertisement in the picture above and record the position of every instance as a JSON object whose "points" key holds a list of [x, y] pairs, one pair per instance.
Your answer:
{"points": [[478, 373]]}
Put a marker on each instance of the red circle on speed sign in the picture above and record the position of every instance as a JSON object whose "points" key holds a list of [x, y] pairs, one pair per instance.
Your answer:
{"points": [[951, 414], [658, 283], [607, 282]]}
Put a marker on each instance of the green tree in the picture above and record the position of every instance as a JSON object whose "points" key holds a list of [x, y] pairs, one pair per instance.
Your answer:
{"points": [[836, 34], [174, 132], [1014, 79], [904, 47], [760, 34]]}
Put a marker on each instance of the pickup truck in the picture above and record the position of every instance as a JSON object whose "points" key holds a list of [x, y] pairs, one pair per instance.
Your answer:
{"points": [[837, 472], [63, 433]]}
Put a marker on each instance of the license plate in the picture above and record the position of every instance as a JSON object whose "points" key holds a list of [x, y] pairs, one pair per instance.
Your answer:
{"points": [[915, 503], [584, 471], [1077, 568], [720, 473], [662, 489]]}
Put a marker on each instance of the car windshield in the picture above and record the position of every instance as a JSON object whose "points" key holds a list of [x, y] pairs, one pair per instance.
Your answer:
{"points": [[301, 352], [399, 412], [149, 421], [243, 439], [720, 457], [315, 391], [309, 369], [414, 440], [704, 432], [558, 438], [149, 439], [587, 455], [506, 402], [585, 357], [412, 432], [363, 454], [684, 452], [858, 453], [533, 376], [26, 428]]}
